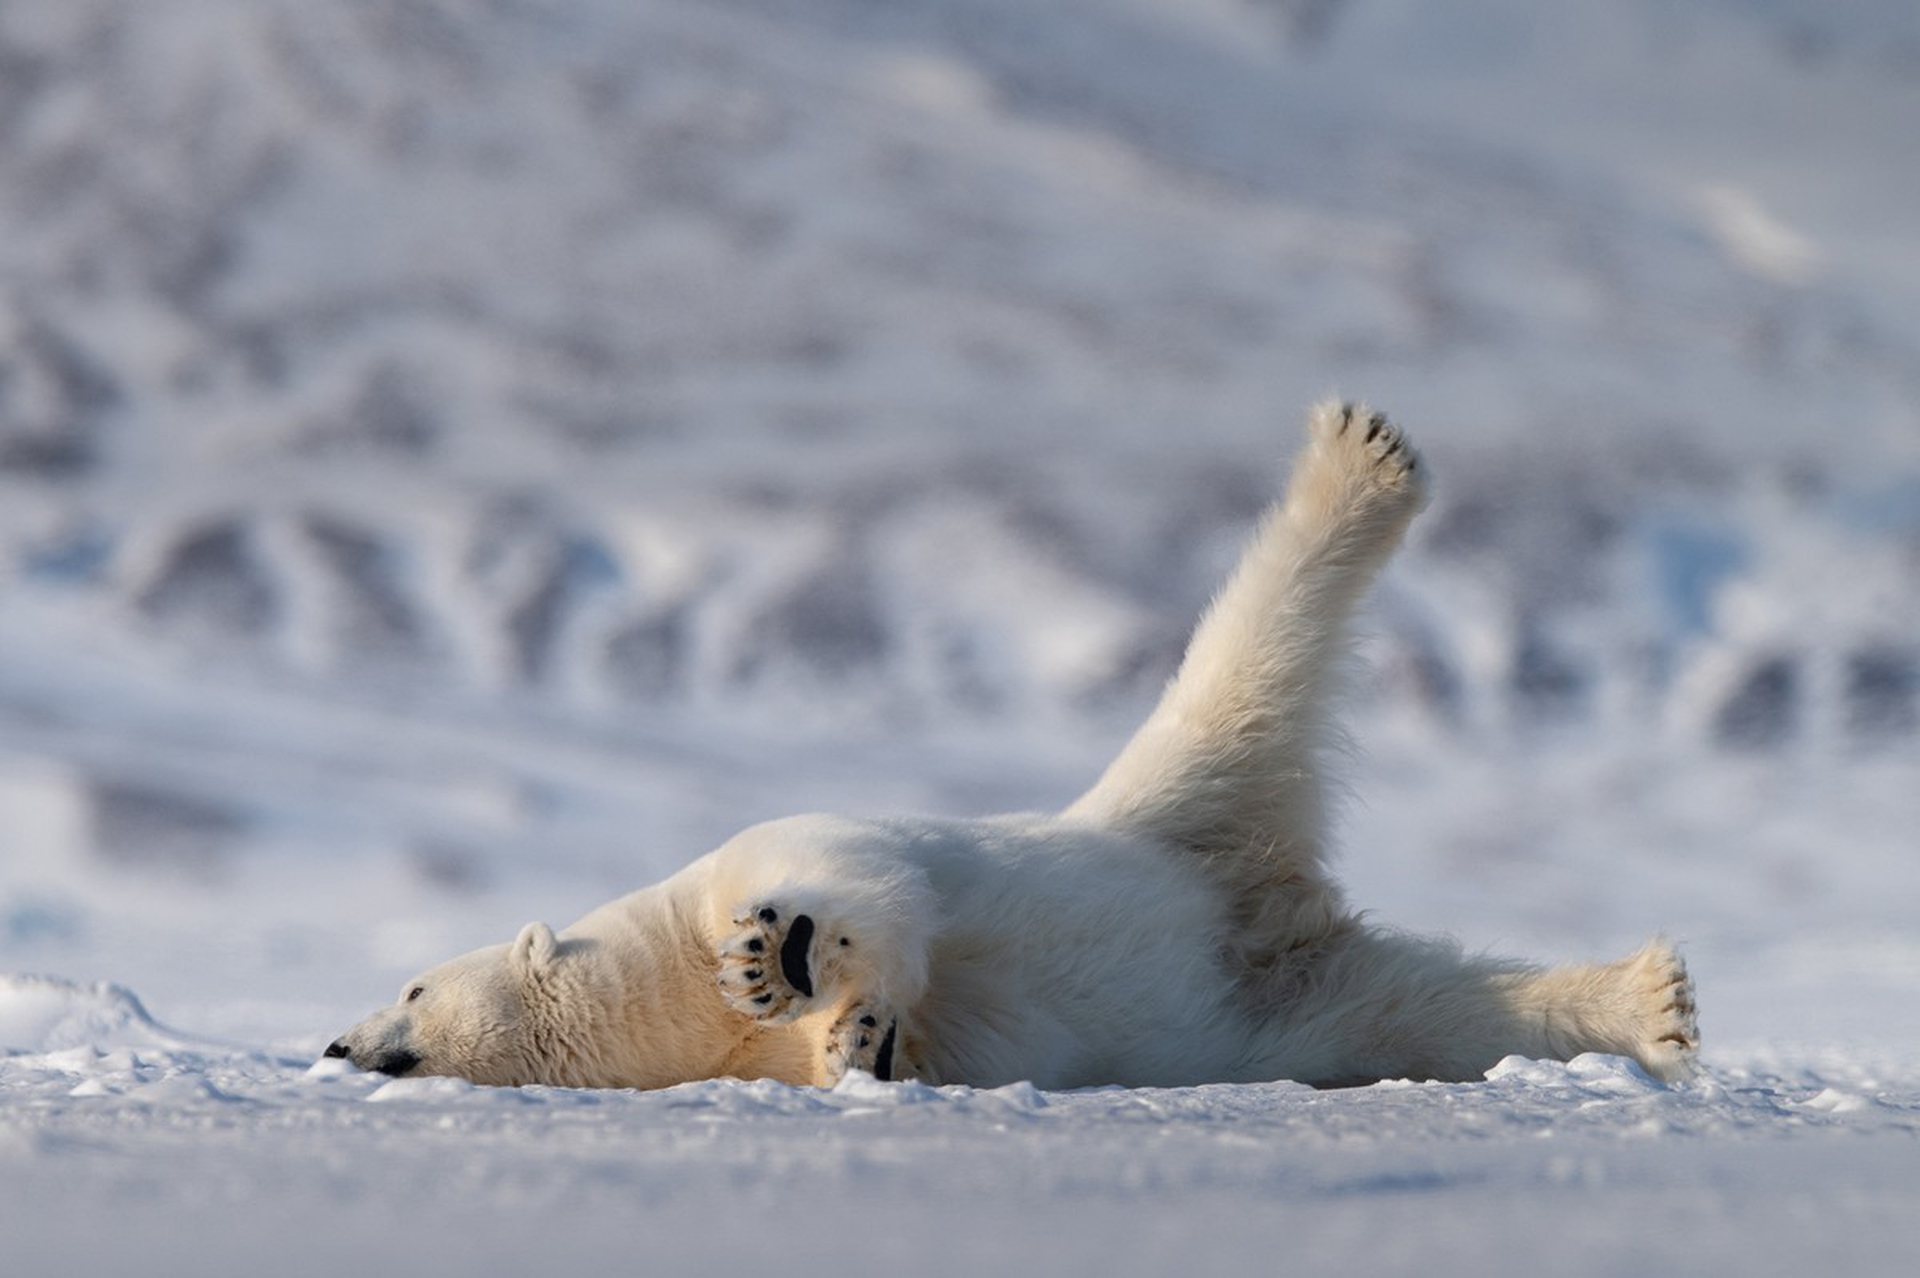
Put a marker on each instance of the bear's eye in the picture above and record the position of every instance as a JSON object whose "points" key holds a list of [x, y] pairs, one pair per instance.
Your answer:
{"points": [[416, 992]]}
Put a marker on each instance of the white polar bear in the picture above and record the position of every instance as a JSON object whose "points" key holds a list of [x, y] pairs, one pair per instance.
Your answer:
{"points": [[1176, 925]]}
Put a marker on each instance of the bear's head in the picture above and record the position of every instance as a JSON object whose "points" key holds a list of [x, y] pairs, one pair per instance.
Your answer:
{"points": [[494, 1016]]}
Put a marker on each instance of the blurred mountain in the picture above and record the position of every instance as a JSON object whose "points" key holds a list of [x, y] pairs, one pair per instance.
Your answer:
{"points": [[531, 372]]}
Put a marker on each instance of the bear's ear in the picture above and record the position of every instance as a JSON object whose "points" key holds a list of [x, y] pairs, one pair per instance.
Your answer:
{"points": [[534, 948]]}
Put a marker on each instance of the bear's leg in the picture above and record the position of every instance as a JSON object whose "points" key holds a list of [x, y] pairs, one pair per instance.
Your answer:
{"points": [[1230, 762], [825, 922], [783, 964], [1390, 1006], [1231, 765], [805, 952], [1641, 1006]]}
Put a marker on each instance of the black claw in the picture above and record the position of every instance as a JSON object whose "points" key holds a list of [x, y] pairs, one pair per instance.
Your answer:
{"points": [[869, 1022], [752, 974], [1346, 417], [764, 999], [755, 945], [883, 1060], [1375, 424], [768, 914]]}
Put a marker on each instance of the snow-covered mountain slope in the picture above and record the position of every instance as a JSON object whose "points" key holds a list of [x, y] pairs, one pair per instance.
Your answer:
{"points": [[679, 354]]}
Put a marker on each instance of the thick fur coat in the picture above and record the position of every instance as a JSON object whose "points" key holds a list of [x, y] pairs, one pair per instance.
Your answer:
{"points": [[1177, 924]]}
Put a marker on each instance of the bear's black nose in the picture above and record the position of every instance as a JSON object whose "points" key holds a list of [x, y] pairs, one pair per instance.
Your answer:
{"points": [[336, 1048]]}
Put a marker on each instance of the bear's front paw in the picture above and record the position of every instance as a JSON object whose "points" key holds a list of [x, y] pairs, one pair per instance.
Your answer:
{"points": [[767, 967], [863, 1038]]}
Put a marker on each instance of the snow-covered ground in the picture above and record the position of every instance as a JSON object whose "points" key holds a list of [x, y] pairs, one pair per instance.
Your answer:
{"points": [[459, 459], [163, 1156]]}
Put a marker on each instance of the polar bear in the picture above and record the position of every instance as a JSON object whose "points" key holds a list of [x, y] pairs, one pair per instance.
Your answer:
{"points": [[1175, 925]]}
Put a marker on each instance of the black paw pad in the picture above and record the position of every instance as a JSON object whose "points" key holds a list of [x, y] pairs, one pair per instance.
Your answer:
{"points": [[793, 954]]}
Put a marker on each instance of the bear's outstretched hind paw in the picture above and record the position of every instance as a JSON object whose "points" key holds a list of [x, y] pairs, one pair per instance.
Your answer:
{"points": [[767, 967], [1671, 1018]]}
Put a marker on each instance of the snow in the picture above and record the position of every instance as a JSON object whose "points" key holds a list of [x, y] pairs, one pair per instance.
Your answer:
{"points": [[459, 460], [1587, 1167]]}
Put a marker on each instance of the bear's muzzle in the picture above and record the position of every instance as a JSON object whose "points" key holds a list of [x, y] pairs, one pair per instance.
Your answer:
{"points": [[396, 1063]]}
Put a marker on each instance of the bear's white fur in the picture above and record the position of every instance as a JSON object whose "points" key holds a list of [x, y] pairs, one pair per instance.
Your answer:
{"points": [[1175, 925]]}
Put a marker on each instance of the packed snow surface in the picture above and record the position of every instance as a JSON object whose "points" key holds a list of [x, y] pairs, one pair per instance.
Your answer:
{"points": [[461, 459], [223, 1160]]}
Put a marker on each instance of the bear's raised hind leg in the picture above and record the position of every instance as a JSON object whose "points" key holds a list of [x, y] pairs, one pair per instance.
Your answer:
{"points": [[1230, 763]]}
